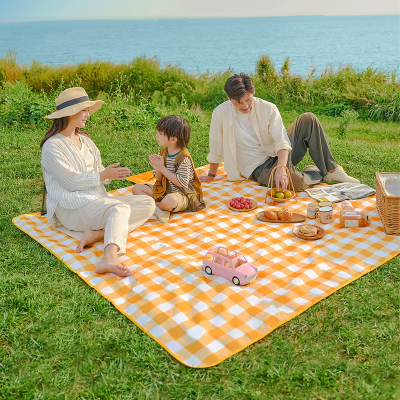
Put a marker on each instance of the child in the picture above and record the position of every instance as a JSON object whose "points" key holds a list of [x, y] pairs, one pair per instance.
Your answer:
{"points": [[177, 186]]}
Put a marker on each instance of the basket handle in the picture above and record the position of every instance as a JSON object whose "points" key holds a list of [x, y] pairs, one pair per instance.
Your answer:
{"points": [[290, 182]]}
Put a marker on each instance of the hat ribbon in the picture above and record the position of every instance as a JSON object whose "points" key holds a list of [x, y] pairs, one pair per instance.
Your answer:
{"points": [[72, 102]]}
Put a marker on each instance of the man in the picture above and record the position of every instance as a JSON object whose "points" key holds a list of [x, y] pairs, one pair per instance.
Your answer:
{"points": [[247, 133]]}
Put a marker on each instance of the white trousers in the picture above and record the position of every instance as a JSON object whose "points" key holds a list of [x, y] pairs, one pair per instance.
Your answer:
{"points": [[117, 215]]}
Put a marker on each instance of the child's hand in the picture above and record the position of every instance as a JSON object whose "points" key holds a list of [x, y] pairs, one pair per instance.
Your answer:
{"points": [[157, 162]]}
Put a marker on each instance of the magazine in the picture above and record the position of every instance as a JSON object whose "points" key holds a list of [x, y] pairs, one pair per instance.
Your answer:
{"points": [[340, 192]]}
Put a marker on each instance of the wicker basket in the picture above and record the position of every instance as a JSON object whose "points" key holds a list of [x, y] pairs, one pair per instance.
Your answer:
{"points": [[388, 200], [270, 185]]}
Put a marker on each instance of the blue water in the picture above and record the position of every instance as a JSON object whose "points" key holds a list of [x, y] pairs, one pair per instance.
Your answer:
{"points": [[213, 44]]}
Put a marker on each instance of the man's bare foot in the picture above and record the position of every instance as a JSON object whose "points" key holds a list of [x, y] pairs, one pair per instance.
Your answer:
{"points": [[89, 237], [104, 267]]}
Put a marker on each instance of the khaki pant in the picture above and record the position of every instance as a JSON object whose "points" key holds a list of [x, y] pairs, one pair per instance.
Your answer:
{"points": [[183, 202], [306, 133], [117, 215]]}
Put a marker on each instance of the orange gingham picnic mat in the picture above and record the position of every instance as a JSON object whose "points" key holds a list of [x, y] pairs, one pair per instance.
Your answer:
{"points": [[202, 320]]}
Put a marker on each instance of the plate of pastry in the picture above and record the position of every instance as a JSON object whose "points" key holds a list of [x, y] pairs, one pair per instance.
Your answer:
{"points": [[281, 216], [308, 232]]}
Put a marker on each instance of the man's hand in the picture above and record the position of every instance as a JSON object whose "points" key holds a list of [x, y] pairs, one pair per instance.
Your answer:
{"points": [[114, 173], [157, 162], [281, 179], [206, 178], [213, 171]]}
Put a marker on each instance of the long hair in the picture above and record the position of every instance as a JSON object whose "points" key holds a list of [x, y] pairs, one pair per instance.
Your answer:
{"points": [[59, 124]]}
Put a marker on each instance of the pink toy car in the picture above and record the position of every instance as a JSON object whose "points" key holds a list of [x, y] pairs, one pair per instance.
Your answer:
{"points": [[229, 264]]}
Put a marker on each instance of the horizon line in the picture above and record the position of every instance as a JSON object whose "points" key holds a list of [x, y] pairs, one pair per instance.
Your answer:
{"points": [[194, 18]]}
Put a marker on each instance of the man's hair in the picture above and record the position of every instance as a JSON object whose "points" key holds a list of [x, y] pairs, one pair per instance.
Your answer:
{"points": [[238, 85], [175, 126]]}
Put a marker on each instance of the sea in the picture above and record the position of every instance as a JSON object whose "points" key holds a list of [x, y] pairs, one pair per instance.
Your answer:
{"points": [[214, 45]]}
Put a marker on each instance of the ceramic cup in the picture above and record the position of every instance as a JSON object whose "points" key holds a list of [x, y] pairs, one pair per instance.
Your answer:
{"points": [[325, 214], [325, 204], [312, 209]]}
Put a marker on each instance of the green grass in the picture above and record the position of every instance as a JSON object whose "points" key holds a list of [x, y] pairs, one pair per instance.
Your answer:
{"points": [[60, 339]]}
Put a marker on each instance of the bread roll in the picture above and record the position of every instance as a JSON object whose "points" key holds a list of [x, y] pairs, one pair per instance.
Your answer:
{"points": [[285, 215], [271, 215], [308, 230]]}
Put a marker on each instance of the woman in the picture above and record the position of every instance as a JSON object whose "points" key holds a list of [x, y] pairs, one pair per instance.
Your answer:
{"points": [[75, 178]]}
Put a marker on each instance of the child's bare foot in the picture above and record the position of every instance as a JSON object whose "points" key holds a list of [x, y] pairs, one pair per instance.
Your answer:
{"points": [[89, 237], [104, 267], [162, 215]]}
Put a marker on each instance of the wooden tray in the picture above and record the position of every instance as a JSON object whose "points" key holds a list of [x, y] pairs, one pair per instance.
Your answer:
{"points": [[254, 205], [319, 234], [296, 218]]}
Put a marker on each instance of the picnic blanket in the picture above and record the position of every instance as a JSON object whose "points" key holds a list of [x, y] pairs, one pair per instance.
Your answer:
{"points": [[201, 320]]}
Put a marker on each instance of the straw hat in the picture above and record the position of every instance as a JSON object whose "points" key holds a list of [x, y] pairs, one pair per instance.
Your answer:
{"points": [[73, 100]]}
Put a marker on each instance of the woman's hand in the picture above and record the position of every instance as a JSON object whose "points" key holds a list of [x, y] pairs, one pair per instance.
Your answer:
{"points": [[114, 173], [157, 162], [281, 179]]}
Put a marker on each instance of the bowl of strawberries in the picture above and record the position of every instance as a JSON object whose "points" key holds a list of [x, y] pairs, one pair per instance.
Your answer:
{"points": [[242, 204]]}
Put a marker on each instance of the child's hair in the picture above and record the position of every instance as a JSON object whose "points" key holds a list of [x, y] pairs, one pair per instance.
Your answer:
{"points": [[175, 126]]}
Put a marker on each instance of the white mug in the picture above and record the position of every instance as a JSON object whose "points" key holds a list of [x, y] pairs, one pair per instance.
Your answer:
{"points": [[312, 209], [325, 214]]}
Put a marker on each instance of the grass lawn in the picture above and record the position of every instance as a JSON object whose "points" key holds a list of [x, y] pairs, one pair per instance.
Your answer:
{"points": [[60, 339]]}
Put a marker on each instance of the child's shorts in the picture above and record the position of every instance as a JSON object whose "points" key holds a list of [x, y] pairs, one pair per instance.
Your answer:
{"points": [[183, 202]]}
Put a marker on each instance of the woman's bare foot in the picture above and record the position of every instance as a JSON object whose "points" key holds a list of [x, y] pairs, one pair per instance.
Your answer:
{"points": [[110, 262], [89, 237], [104, 267]]}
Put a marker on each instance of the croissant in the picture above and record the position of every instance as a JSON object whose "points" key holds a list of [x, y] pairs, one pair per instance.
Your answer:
{"points": [[284, 214]]}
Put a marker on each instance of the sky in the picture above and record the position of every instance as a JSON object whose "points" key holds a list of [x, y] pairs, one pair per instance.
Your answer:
{"points": [[48, 10]]}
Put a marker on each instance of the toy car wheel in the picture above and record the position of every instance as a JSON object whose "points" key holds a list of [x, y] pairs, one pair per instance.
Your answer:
{"points": [[208, 270], [235, 280]]}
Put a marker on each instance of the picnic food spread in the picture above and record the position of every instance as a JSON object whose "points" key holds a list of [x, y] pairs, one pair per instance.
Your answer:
{"points": [[285, 215], [350, 218], [241, 203], [280, 194], [307, 230], [271, 215]]}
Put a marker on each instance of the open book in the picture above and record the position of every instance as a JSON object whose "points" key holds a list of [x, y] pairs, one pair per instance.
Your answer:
{"points": [[340, 192]]}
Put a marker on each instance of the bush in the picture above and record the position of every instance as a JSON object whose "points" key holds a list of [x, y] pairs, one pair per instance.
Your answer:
{"points": [[21, 106], [373, 94], [334, 109], [347, 116]]}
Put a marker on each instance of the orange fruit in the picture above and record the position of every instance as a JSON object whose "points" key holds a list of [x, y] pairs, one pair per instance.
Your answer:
{"points": [[287, 194], [279, 195]]}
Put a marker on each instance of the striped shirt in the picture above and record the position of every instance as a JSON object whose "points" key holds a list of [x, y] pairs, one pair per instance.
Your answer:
{"points": [[184, 173], [67, 179]]}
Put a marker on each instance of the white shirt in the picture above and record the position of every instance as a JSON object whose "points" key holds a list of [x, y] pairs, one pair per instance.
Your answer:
{"points": [[68, 182], [88, 157], [266, 122], [249, 153]]}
